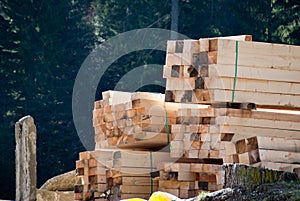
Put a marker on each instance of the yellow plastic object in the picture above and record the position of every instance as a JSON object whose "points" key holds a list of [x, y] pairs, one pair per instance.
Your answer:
{"points": [[162, 196]]}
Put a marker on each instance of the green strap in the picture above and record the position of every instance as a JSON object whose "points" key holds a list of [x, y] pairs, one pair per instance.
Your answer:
{"points": [[167, 129], [151, 181], [235, 70]]}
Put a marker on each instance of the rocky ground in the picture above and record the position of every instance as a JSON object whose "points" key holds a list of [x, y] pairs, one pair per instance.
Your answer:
{"points": [[60, 188], [278, 191]]}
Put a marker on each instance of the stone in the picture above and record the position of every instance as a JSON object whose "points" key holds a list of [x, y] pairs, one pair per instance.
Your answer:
{"points": [[63, 182], [45, 195]]}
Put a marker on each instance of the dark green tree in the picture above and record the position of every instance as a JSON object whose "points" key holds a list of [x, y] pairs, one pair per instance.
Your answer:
{"points": [[114, 17], [43, 46], [286, 17]]}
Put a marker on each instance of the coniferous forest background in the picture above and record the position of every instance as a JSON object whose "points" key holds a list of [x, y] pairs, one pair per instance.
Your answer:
{"points": [[44, 42]]}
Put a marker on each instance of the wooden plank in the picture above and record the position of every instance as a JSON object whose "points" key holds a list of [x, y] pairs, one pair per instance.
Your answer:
{"points": [[250, 157], [216, 70], [101, 178], [197, 112], [206, 168], [191, 46], [258, 114], [176, 149], [176, 167], [259, 61], [186, 193], [262, 123], [184, 71], [278, 144], [186, 176], [242, 132], [134, 195], [148, 140], [179, 59], [191, 153], [133, 189], [116, 97], [259, 54], [79, 164], [247, 85], [134, 172], [224, 96], [128, 158], [181, 84], [176, 184], [96, 171], [279, 156], [139, 181], [84, 155], [147, 96]]}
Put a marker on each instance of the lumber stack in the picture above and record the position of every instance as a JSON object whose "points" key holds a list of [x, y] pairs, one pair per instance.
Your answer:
{"points": [[132, 120], [192, 136], [120, 174], [277, 153], [231, 134], [92, 175], [213, 113], [221, 70], [186, 180]]}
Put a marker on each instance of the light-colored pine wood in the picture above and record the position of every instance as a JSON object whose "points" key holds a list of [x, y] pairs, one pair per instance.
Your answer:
{"points": [[259, 98], [133, 189], [180, 84], [263, 123], [279, 156], [176, 149], [191, 46], [171, 46], [143, 181], [135, 195], [249, 85], [223, 70], [259, 54], [177, 167], [258, 114], [187, 193], [186, 176], [242, 132], [206, 168], [176, 184], [278, 144], [128, 158]]}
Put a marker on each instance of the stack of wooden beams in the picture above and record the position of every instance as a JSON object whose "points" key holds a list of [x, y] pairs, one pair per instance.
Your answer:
{"points": [[206, 118], [132, 120], [277, 153], [186, 180], [92, 175], [222, 70], [121, 173], [192, 136], [235, 135]]}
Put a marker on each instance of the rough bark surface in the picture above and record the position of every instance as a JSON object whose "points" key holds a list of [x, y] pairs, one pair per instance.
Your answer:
{"points": [[238, 175], [25, 134]]}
